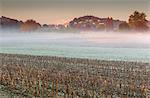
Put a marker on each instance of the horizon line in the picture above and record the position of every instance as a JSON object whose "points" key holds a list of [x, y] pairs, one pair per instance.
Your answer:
{"points": [[24, 20]]}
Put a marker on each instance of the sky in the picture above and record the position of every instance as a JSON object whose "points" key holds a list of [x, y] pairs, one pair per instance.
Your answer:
{"points": [[62, 11]]}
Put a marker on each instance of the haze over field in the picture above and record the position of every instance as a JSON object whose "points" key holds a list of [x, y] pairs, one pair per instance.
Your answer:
{"points": [[99, 45], [105, 39]]}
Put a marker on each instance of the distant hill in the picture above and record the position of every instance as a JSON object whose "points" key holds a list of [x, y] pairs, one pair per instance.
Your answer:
{"points": [[95, 23], [87, 22], [9, 23]]}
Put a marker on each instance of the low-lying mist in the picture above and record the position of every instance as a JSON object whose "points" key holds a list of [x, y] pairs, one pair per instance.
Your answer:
{"points": [[93, 45], [96, 39]]}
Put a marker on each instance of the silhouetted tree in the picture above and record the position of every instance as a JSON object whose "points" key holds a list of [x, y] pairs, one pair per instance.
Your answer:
{"points": [[124, 26], [138, 22], [30, 25]]}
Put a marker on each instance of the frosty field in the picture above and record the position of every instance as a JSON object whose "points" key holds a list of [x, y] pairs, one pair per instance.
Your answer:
{"points": [[103, 46]]}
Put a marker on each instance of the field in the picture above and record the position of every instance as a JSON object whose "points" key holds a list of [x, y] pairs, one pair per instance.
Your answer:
{"points": [[91, 45], [60, 77]]}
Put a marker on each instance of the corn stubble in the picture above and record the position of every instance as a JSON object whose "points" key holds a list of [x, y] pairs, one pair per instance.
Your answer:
{"points": [[75, 78]]}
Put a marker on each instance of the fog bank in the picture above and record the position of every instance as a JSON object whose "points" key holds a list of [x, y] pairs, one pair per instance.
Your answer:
{"points": [[96, 39]]}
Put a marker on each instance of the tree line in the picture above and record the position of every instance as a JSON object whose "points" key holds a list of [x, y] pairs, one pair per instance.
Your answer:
{"points": [[137, 21]]}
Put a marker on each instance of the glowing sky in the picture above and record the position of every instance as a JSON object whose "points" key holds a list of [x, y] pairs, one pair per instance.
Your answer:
{"points": [[61, 11]]}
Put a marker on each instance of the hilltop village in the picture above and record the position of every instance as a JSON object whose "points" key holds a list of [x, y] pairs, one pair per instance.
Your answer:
{"points": [[84, 23]]}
